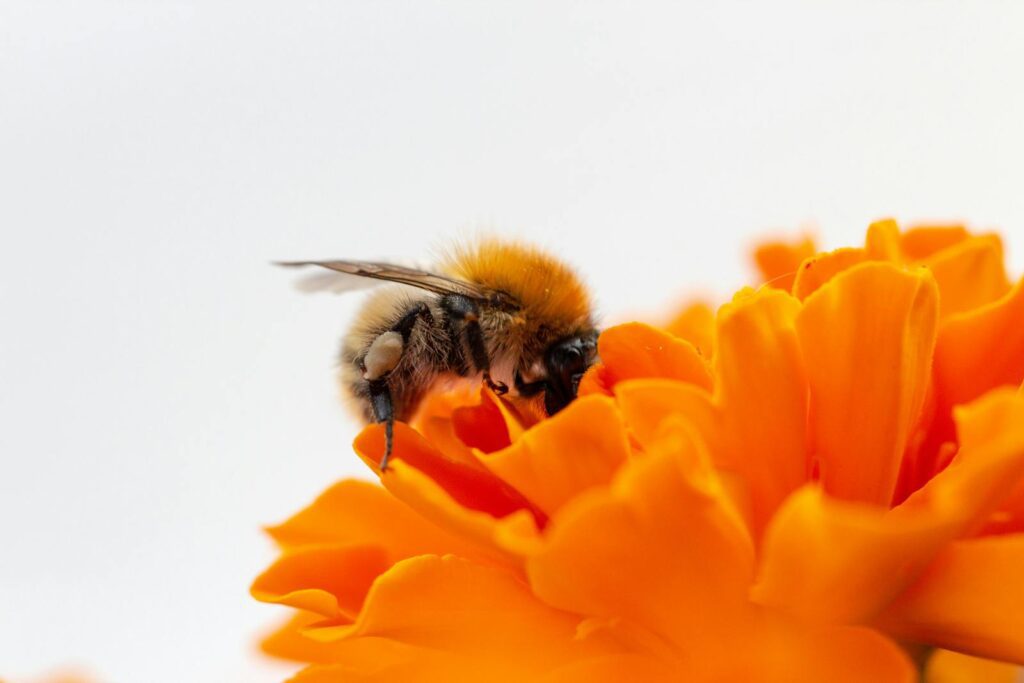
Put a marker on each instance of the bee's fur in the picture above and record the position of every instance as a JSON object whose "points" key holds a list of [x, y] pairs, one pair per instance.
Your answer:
{"points": [[551, 304]]}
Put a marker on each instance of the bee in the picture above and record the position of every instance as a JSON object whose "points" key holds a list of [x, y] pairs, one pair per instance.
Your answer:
{"points": [[505, 312]]}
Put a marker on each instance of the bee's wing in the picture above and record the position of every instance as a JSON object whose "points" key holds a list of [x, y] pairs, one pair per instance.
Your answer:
{"points": [[347, 276]]}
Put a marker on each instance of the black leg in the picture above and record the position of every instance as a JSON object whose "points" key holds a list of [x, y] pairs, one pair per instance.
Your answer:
{"points": [[383, 411], [380, 393], [408, 321], [466, 311]]}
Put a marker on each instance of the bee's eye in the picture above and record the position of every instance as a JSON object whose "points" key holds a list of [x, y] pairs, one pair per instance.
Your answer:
{"points": [[566, 361]]}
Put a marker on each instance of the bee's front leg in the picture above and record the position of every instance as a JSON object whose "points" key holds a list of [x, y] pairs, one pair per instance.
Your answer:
{"points": [[465, 310]]}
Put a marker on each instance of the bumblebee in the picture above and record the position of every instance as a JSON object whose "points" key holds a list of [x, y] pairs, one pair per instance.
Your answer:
{"points": [[506, 312]]}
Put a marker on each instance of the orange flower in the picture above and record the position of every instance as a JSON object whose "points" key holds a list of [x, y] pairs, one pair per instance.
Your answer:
{"points": [[843, 472]]}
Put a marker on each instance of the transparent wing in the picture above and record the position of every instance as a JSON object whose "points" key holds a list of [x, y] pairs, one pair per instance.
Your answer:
{"points": [[346, 276]]}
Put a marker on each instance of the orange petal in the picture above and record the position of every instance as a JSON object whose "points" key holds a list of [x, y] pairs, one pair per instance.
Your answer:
{"points": [[946, 666], [356, 512], [467, 619], [820, 268], [472, 486], [647, 403], [882, 242], [289, 642], [579, 448], [981, 349], [661, 548], [433, 503], [779, 261], [636, 350], [762, 394], [969, 274], [695, 324], [488, 426], [830, 560], [787, 653], [595, 381], [922, 241], [971, 600], [329, 580], [867, 339]]}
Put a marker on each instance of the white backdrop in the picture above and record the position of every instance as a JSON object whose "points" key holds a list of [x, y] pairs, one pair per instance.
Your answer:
{"points": [[165, 391]]}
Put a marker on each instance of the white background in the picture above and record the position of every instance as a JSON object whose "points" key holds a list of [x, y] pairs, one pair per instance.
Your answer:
{"points": [[164, 391]]}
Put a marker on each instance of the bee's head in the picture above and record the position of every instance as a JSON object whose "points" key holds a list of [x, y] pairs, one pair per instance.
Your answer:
{"points": [[565, 362]]}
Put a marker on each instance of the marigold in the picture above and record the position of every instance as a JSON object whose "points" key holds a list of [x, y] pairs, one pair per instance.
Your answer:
{"points": [[794, 489]]}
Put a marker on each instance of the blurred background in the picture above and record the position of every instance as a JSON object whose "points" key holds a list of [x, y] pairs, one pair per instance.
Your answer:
{"points": [[164, 391]]}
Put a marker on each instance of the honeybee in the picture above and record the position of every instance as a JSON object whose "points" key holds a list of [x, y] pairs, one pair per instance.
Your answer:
{"points": [[503, 311]]}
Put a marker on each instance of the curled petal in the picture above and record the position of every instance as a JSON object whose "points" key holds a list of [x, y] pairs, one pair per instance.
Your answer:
{"points": [[490, 425], [867, 339], [820, 268], [971, 599], [469, 484], [580, 447], [328, 580], [289, 641], [356, 512], [436, 504]]}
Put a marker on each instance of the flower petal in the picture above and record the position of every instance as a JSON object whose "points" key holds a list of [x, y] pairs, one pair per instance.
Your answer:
{"points": [[971, 599], [762, 396], [946, 666], [329, 580], [789, 653], [472, 486], [922, 241], [425, 496], [636, 350], [647, 403], [867, 339], [662, 548], [969, 274], [356, 512], [466, 619], [579, 448], [695, 324], [882, 243], [289, 642], [779, 261], [489, 425], [820, 268], [981, 349], [831, 560]]}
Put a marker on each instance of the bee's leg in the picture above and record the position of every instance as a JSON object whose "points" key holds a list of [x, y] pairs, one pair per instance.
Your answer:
{"points": [[383, 411], [465, 310], [384, 354]]}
